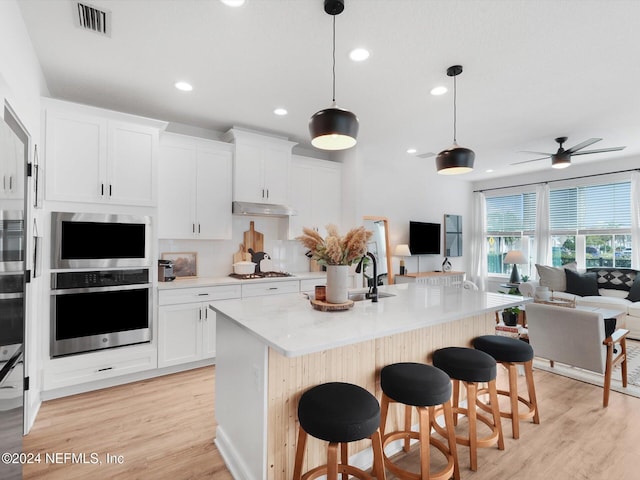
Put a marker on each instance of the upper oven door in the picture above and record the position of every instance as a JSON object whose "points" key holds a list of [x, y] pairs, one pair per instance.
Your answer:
{"points": [[89, 240]]}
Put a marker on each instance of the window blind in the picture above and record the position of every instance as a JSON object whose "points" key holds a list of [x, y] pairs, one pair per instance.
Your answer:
{"points": [[511, 214], [591, 208]]}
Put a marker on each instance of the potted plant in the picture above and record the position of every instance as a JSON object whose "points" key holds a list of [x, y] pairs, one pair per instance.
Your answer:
{"points": [[510, 316]]}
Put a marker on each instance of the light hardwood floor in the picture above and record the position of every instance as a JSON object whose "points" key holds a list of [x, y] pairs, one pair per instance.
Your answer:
{"points": [[164, 429]]}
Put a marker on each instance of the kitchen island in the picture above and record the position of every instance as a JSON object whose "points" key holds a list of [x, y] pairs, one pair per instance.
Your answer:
{"points": [[271, 349]]}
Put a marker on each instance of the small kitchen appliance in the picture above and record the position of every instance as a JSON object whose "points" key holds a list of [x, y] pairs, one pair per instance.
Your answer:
{"points": [[165, 271]]}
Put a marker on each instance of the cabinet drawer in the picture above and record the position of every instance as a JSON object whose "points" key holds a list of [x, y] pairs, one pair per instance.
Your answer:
{"points": [[77, 369], [309, 284], [198, 294], [270, 288]]}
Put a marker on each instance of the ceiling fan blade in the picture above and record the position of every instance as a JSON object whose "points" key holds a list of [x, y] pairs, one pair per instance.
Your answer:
{"points": [[537, 153], [601, 150], [582, 145], [527, 161]]}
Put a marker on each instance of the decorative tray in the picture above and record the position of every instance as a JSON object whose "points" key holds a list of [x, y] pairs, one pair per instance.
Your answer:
{"points": [[557, 302], [331, 307]]}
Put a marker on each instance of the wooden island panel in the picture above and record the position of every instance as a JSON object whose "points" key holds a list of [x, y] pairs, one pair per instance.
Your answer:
{"points": [[360, 364]]}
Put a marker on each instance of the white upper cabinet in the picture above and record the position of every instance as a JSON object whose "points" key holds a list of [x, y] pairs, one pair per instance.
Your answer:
{"points": [[315, 192], [11, 164], [194, 179], [99, 156], [261, 167]]}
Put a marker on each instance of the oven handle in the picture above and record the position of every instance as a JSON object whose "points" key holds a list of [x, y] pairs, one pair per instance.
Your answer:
{"points": [[11, 296], [111, 288], [6, 369]]}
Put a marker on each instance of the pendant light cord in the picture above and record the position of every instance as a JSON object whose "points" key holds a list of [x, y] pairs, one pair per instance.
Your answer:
{"points": [[334, 58], [454, 109]]}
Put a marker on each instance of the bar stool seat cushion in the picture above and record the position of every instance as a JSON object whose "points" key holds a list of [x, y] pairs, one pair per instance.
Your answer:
{"points": [[415, 384], [466, 364], [504, 349], [339, 412]]}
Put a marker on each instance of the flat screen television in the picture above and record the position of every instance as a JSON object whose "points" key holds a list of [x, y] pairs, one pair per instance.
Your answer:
{"points": [[424, 238]]}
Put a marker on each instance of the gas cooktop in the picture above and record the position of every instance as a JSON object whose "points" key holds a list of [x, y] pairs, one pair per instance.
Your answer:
{"points": [[252, 276]]}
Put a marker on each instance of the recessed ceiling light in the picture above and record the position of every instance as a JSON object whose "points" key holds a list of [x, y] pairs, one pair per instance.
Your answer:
{"points": [[439, 90], [280, 111], [411, 150], [489, 170], [233, 3], [359, 54], [184, 86]]}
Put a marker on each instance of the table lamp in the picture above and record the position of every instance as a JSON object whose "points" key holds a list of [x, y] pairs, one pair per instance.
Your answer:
{"points": [[402, 251], [515, 257]]}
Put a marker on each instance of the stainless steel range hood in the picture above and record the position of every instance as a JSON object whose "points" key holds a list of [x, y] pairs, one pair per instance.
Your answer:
{"points": [[262, 209]]}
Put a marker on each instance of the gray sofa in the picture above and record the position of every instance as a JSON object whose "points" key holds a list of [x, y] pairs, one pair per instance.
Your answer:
{"points": [[613, 288]]}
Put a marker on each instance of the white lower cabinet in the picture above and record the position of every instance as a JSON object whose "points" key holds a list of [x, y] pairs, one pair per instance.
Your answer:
{"points": [[187, 333], [186, 325]]}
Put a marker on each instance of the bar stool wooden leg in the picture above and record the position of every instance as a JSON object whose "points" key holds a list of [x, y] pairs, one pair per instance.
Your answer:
{"points": [[407, 427], [344, 457], [456, 398], [332, 461], [378, 457], [531, 388], [493, 395], [451, 435], [424, 420], [513, 397], [472, 395], [300, 449]]}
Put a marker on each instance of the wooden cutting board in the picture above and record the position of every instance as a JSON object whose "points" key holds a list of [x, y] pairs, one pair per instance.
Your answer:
{"points": [[241, 255], [253, 239]]}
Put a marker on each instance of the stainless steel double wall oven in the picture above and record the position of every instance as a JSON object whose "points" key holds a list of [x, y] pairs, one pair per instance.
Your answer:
{"points": [[101, 295]]}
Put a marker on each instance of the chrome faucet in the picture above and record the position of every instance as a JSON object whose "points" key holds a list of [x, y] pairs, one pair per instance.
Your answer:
{"points": [[373, 289]]}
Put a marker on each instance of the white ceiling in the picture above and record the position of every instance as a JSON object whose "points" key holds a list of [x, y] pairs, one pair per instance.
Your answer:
{"points": [[533, 69]]}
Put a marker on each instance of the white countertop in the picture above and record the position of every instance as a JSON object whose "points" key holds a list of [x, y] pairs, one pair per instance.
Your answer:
{"points": [[191, 282], [290, 325]]}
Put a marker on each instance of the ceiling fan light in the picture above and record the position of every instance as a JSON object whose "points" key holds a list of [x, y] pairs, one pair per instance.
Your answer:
{"points": [[455, 160], [333, 129], [560, 162]]}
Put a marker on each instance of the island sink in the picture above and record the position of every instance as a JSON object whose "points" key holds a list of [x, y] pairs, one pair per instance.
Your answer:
{"points": [[358, 297]]}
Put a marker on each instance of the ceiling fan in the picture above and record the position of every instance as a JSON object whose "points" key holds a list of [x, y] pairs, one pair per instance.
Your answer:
{"points": [[562, 158]]}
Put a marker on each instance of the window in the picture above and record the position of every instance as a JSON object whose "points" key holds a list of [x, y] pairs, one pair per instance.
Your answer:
{"points": [[511, 221], [591, 225]]}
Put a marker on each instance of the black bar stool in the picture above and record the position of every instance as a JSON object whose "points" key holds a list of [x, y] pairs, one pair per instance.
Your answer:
{"points": [[512, 352], [472, 367], [423, 387], [339, 413]]}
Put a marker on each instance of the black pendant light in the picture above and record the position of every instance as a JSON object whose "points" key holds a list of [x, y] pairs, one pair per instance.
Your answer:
{"points": [[455, 160], [333, 128]]}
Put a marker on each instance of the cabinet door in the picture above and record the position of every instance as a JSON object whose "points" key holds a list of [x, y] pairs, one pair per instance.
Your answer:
{"points": [[179, 334], [208, 332], [327, 197], [213, 201], [11, 164], [176, 192], [130, 168], [75, 151], [248, 184], [300, 197], [275, 167]]}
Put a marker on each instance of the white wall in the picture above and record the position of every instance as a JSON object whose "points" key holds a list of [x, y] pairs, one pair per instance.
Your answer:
{"points": [[22, 84], [403, 187]]}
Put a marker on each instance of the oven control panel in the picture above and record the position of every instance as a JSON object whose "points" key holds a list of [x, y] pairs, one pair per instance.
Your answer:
{"points": [[99, 278]]}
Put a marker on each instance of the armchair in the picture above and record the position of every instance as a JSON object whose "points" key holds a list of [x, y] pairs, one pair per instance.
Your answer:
{"points": [[576, 337]]}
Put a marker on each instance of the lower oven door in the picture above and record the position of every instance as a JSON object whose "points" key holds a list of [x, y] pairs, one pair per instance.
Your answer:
{"points": [[87, 319]]}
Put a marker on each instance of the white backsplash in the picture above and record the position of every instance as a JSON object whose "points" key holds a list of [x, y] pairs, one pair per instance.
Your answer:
{"points": [[215, 257]]}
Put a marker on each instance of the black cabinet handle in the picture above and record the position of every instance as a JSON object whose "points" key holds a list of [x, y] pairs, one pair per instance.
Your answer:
{"points": [[110, 189], [102, 189]]}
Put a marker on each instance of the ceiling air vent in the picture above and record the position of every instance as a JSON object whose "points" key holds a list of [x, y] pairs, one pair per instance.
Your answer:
{"points": [[93, 19]]}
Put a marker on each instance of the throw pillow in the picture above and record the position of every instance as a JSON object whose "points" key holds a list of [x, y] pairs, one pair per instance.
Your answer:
{"points": [[583, 284], [634, 293], [554, 277]]}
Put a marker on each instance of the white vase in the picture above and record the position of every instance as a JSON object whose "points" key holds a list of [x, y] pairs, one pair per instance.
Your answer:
{"points": [[337, 291]]}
